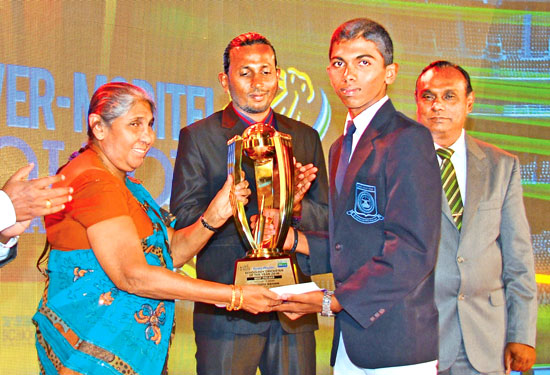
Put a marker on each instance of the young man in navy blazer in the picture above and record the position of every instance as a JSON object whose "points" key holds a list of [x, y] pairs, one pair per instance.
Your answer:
{"points": [[384, 220]]}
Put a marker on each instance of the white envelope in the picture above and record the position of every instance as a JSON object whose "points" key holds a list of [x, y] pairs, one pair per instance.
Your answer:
{"points": [[296, 288]]}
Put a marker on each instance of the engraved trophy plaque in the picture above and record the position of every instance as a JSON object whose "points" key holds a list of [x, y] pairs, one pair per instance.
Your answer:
{"points": [[271, 151]]}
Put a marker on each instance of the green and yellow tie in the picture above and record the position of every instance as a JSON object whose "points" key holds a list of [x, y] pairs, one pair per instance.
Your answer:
{"points": [[450, 185]]}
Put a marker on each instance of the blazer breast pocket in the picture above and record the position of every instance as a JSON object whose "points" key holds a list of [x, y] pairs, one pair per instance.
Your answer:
{"points": [[487, 219], [367, 203]]}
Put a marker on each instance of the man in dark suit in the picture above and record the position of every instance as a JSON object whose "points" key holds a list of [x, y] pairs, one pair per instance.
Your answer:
{"points": [[384, 219], [485, 287], [237, 342], [20, 201]]}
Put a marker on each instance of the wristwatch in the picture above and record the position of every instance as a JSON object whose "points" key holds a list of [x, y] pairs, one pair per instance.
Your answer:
{"points": [[327, 298]]}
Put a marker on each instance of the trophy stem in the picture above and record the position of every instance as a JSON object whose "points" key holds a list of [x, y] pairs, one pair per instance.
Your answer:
{"points": [[260, 224], [265, 253]]}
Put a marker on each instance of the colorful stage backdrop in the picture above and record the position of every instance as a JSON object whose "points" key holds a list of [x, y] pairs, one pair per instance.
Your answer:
{"points": [[53, 54]]}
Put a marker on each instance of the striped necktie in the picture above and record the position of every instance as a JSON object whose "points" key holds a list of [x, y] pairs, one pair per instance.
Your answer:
{"points": [[450, 185], [344, 156]]}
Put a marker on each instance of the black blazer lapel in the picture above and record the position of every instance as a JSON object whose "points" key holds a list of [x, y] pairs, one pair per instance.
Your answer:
{"points": [[284, 126], [231, 123]]}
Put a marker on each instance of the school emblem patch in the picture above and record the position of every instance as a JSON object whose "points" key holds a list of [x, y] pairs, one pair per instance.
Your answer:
{"points": [[365, 210]]}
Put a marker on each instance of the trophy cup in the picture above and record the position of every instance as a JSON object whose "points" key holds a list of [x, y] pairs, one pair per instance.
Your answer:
{"points": [[265, 263]]}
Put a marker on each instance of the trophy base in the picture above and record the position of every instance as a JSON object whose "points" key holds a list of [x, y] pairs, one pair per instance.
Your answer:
{"points": [[268, 272]]}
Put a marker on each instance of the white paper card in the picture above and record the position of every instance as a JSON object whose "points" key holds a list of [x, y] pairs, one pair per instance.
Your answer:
{"points": [[296, 288]]}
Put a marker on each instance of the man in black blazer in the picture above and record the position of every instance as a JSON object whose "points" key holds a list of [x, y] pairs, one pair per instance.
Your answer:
{"points": [[384, 219], [237, 342], [20, 201]]}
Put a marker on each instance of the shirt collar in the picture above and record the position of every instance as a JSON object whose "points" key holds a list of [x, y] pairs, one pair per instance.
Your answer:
{"points": [[362, 120], [459, 146], [248, 121]]}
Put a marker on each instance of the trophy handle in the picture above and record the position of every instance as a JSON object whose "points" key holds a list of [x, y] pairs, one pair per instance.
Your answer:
{"points": [[234, 167], [283, 150]]}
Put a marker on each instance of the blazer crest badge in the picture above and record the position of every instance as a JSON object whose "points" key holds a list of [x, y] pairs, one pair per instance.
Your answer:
{"points": [[366, 209]]}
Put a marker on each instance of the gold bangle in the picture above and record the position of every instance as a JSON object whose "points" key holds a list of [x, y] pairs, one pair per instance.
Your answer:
{"points": [[241, 299], [231, 307]]}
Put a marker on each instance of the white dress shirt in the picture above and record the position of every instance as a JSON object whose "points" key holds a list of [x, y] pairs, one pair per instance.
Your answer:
{"points": [[362, 121], [7, 219], [459, 163]]}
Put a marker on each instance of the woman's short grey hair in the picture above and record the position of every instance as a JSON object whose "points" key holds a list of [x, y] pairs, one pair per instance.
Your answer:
{"points": [[115, 99]]}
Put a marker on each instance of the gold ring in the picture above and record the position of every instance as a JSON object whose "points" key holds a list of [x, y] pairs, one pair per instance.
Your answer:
{"points": [[48, 203]]}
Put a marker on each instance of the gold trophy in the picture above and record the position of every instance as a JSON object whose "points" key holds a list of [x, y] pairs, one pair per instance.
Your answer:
{"points": [[271, 151]]}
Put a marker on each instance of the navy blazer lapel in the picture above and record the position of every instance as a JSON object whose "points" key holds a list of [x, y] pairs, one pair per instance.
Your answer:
{"points": [[476, 172], [334, 157], [363, 150]]}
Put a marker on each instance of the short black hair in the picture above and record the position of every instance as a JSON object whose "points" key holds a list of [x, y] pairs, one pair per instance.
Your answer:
{"points": [[369, 30], [246, 39], [447, 64]]}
